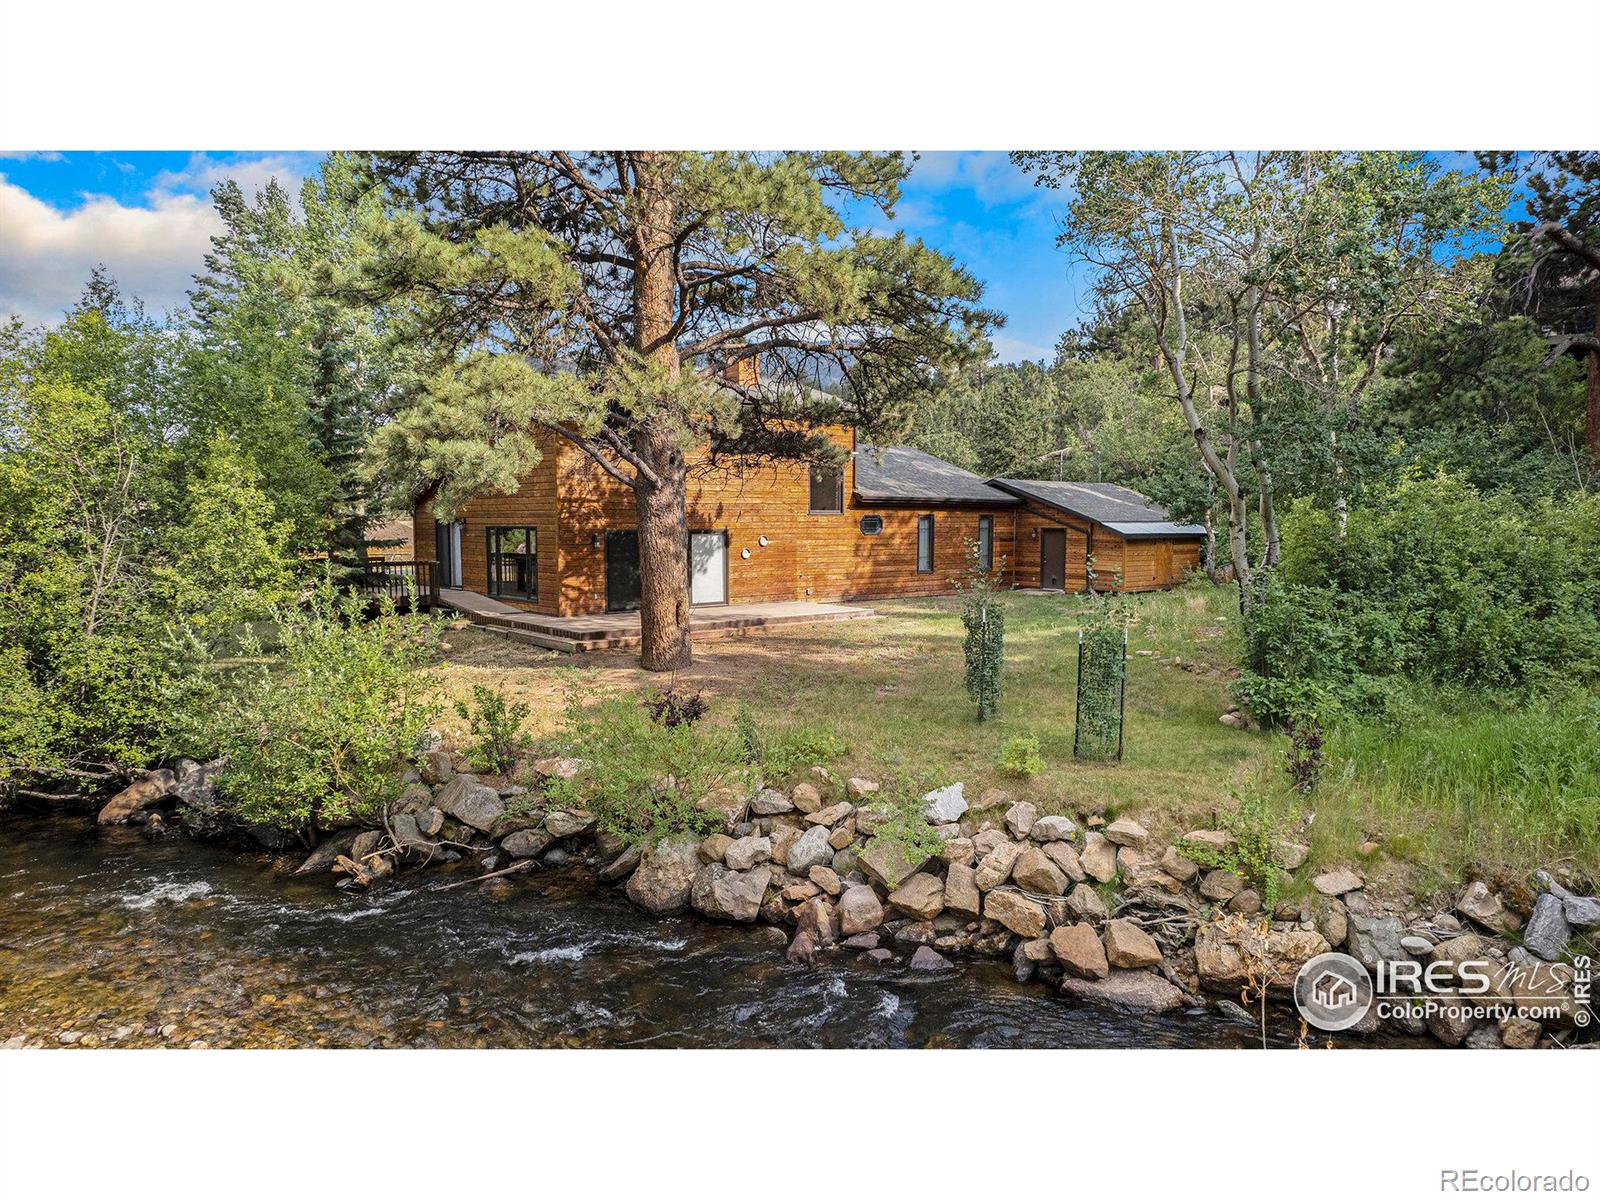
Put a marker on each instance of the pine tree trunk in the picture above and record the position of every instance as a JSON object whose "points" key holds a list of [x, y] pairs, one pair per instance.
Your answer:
{"points": [[663, 521]]}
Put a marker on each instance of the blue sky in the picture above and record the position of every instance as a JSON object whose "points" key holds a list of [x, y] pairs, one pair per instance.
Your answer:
{"points": [[148, 218]]}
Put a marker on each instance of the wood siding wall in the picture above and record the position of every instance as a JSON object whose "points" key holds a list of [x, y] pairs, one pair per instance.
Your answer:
{"points": [[572, 504]]}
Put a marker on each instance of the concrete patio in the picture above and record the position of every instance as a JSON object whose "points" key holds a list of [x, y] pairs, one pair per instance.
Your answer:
{"points": [[620, 631]]}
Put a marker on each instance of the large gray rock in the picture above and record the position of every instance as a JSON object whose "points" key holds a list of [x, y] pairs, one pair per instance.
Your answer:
{"points": [[996, 866], [575, 823], [1052, 829], [727, 894], [321, 859], [1020, 818], [1547, 930], [1479, 904], [1099, 858], [527, 843], [1374, 940], [859, 910], [944, 805], [622, 864], [196, 784], [665, 875], [1130, 991], [811, 849], [1582, 912], [1125, 831], [1337, 882], [746, 852], [1086, 904], [768, 802], [886, 863], [471, 802], [928, 959]]}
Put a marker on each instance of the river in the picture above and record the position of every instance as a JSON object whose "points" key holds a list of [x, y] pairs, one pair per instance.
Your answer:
{"points": [[123, 942]]}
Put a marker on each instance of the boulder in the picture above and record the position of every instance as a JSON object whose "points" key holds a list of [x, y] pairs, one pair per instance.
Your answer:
{"points": [[802, 950], [843, 837], [961, 893], [196, 786], [811, 849], [1141, 870], [1547, 931], [747, 852], [928, 959], [857, 789], [1374, 940], [996, 866], [1177, 866], [825, 878], [729, 895], [1052, 829], [728, 803], [920, 897], [768, 802], [986, 839], [471, 802], [527, 843], [430, 821], [1224, 951], [1099, 858], [944, 805], [1246, 903], [1035, 872], [1519, 1033], [831, 815], [622, 864], [1066, 860], [1020, 818], [958, 850], [885, 862], [1216, 840], [1085, 904], [563, 824], [803, 890], [437, 768], [1337, 882], [1291, 856], [138, 796], [1129, 946], [1016, 912], [1079, 951], [665, 876], [1479, 904], [1582, 912], [1221, 885], [1449, 1016], [819, 918], [714, 847], [1125, 831], [805, 797], [1331, 919], [321, 859], [557, 768], [1128, 991]]}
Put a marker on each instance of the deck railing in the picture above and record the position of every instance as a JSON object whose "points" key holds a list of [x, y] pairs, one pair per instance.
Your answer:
{"points": [[400, 580]]}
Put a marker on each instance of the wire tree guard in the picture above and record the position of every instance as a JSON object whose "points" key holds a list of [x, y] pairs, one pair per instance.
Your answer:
{"points": [[1102, 691]]}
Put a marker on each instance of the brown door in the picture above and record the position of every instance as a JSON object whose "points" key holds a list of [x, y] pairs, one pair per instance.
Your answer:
{"points": [[1052, 558], [1164, 565]]}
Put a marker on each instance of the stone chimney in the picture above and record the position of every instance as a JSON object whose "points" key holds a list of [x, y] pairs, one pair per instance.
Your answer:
{"points": [[744, 372]]}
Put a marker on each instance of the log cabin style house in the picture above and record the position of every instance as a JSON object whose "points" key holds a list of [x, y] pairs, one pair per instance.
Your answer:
{"points": [[887, 523]]}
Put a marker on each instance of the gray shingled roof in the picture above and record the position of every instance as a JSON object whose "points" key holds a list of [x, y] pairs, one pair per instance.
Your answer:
{"points": [[905, 474], [1121, 510]]}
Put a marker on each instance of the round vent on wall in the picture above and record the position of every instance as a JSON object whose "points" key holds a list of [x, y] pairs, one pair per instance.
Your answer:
{"points": [[744, 554], [762, 540], [872, 526]]}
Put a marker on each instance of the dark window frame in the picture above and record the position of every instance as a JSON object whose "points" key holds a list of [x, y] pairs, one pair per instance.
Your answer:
{"points": [[925, 521], [986, 543], [491, 552], [877, 528], [837, 471]]}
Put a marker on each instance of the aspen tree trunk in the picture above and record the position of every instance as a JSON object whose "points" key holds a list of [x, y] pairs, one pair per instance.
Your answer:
{"points": [[663, 523]]}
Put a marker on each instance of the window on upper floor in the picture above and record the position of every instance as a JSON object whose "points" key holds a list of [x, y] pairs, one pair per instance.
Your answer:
{"points": [[827, 488]]}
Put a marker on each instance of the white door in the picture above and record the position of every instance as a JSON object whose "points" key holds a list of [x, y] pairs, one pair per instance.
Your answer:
{"points": [[708, 568]]}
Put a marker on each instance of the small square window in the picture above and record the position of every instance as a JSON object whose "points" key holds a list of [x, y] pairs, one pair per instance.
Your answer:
{"points": [[827, 488]]}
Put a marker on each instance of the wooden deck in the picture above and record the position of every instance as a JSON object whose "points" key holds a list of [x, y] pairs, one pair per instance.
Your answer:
{"points": [[620, 631]]}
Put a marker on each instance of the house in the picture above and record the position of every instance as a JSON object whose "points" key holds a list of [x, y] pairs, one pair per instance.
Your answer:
{"points": [[1063, 527], [889, 522]]}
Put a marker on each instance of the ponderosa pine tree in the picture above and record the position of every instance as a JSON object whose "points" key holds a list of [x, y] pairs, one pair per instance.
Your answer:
{"points": [[597, 295]]}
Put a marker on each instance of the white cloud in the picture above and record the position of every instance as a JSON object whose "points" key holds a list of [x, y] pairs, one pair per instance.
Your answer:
{"points": [[24, 155], [152, 249], [1008, 349], [988, 173]]}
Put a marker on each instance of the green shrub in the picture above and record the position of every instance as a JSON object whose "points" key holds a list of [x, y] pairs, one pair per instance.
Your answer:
{"points": [[1256, 835], [1019, 756], [901, 823], [496, 727], [321, 732], [983, 616], [798, 748], [643, 777], [744, 724]]}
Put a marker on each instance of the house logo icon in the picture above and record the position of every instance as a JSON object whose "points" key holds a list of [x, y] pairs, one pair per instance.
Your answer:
{"points": [[1333, 992]]}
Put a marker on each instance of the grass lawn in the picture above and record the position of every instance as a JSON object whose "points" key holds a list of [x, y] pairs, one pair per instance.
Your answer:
{"points": [[891, 690]]}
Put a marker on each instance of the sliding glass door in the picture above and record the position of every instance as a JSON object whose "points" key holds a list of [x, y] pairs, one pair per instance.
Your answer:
{"points": [[514, 561]]}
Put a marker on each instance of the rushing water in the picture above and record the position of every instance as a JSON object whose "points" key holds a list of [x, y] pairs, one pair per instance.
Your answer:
{"points": [[119, 941]]}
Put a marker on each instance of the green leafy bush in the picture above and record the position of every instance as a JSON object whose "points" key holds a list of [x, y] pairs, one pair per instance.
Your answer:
{"points": [[900, 822], [496, 727], [318, 733], [798, 748], [983, 616], [1019, 756], [1432, 582], [1251, 856], [643, 777], [744, 724]]}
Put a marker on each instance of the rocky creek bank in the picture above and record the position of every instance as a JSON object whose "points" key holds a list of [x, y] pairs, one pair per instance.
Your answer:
{"points": [[1103, 914]]}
